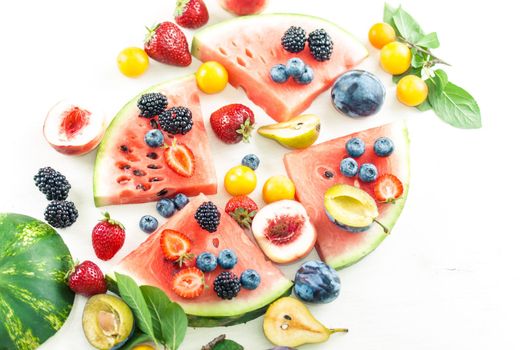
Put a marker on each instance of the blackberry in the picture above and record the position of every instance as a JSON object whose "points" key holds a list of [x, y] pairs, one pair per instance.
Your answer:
{"points": [[61, 214], [227, 285], [293, 40], [208, 216], [176, 120], [52, 183], [320, 44], [152, 104]]}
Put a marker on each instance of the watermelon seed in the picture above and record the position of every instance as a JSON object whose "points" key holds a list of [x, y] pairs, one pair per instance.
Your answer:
{"points": [[162, 192], [123, 166], [215, 242], [154, 124], [154, 166], [234, 43], [124, 148], [138, 172], [155, 179], [249, 53], [152, 155], [328, 174], [143, 187], [263, 60], [222, 50], [122, 180], [241, 61]]}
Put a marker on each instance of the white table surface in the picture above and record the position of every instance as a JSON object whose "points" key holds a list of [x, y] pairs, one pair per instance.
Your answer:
{"points": [[449, 275]]}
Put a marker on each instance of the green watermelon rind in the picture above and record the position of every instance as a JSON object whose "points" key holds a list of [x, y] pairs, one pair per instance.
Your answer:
{"points": [[121, 115], [346, 260], [195, 45], [206, 321], [34, 296]]}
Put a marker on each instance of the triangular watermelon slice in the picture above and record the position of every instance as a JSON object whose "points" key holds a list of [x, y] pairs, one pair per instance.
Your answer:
{"points": [[147, 266], [307, 169], [129, 171], [249, 46]]}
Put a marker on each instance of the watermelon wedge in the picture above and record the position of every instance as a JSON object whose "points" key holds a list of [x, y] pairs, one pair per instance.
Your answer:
{"points": [[147, 266], [129, 171], [307, 168], [249, 46]]}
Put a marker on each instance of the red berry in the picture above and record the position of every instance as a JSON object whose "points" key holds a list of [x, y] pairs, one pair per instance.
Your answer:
{"points": [[108, 237], [189, 283], [166, 43], [388, 188], [233, 123], [180, 159], [87, 279], [175, 245], [242, 209], [191, 13]]}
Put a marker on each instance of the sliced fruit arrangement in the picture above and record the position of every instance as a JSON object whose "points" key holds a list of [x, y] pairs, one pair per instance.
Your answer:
{"points": [[296, 133], [34, 296], [228, 249], [284, 231], [128, 170], [249, 47], [288, 322], [317, 169], [73, 129]]}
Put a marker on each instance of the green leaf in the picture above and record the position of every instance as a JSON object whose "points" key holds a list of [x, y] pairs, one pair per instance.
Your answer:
{"points": [[157, 303], [441, 79], [429, 41], [174, 326], [388, 13], [418, 59], [137, 339], [407, 26], [455, 106], [411, 70], [132, 295], [425, 106], [227, 344]]}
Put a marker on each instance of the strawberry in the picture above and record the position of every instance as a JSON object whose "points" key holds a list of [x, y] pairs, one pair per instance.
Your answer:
{"points": [[189, 283], [176, 247], [108, 237], [191, 13], [388, 188], [166, 43], [242, 209], [233, 123], [180, 159], [87, 279]]}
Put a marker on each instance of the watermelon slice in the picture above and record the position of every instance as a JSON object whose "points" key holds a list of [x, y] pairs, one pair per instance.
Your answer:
{"points": [[249, 46], [129, 171], [147, 266], [307, 168]]}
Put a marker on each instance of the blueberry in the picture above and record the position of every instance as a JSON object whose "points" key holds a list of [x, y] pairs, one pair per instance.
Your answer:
{"points": [[148, 224], [368, 172], [206, 262], [306, 77], [279, 74], [154, 138], [180, 201], [317, 282], [355, 147], [250, 279], [165, 208], [349, 167], [227, 259], [383, 147], [358, 93], [295, 67], [251, 160]]}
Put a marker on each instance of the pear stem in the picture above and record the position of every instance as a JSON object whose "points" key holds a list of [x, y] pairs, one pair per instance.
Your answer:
{"points": [[385, 228], [338, 330]]}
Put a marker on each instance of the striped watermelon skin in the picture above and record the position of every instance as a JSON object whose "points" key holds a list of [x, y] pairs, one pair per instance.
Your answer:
{"points": [[35, 300]]}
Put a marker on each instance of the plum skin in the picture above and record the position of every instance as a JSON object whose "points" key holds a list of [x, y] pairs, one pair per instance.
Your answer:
{"points": [[358, 93], [317, 282]]}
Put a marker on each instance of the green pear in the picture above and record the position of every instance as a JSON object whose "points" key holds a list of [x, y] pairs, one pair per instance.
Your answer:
{"points": [[298, 132], [288, 322]]}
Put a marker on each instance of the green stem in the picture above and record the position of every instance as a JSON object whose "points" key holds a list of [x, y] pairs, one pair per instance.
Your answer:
{"points": [[338, 330], [385, 228], [433, 61]]}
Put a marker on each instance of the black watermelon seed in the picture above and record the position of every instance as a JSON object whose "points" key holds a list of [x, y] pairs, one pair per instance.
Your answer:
{"points": [[152, 155], [140, 187], [153, 166], [124, 148], [162, 192], [138, 172], [154, 179], [329, 174]]}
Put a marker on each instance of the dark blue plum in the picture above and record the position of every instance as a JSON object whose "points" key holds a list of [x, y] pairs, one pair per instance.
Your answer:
{"points": [[206, 262], [252, 161], [383, 147], [148, 224], [250, 279], [295, 67], [154, 138], [368, 172], [355, 147], [279, 74], [307, 77], [165, 207], [349, 167], [317, 282], [180, 201], [227, 259], [358, 93]]}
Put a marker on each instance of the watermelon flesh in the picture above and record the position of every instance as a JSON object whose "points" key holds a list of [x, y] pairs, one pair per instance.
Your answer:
{"points": [[129, 171], [147, 266], [307, 168], [249, 46]]}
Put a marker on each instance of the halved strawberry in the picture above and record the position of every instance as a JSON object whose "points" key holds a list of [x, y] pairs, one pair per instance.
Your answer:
{"points": [[180, 159], [175, 245], [388, 188], [189, 283]]}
